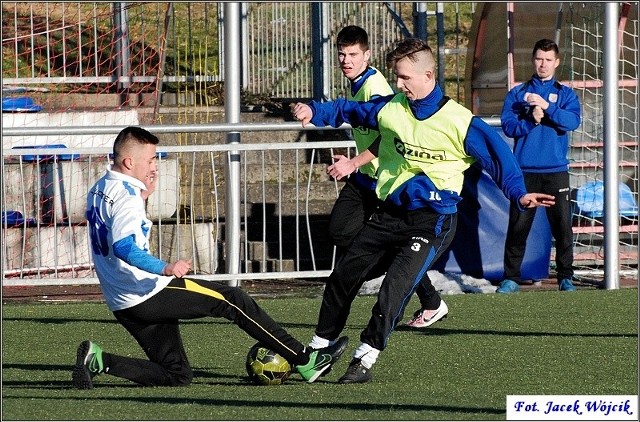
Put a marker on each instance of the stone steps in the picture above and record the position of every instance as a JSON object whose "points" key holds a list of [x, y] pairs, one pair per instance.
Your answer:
{"points": [[286, 185]]}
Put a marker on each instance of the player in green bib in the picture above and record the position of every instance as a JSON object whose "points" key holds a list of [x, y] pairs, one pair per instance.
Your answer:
{"points": [[426, 143], [357, 199]]}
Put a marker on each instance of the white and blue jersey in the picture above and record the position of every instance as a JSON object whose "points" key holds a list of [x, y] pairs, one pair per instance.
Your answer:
{"points": [[119, 232]]}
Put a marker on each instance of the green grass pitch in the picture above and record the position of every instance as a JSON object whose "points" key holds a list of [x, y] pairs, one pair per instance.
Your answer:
{"points": [[461, 368]]}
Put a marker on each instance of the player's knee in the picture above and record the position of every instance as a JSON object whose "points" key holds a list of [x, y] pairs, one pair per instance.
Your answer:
{"points": [[340, 238], [183, 378]]}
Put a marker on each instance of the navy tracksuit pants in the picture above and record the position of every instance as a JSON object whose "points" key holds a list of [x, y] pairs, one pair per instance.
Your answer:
{"points": [[559, 217], [415, 239]]}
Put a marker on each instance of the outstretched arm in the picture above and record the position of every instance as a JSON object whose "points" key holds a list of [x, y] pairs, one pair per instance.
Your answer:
{"points": [[485, 145], [302, 112], [339, 111], [532, 200]]}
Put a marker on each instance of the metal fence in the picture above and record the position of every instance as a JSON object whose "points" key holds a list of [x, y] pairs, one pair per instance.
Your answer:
{"points": [[164, 47], [286, 197], [102, 48], [283, 208]]}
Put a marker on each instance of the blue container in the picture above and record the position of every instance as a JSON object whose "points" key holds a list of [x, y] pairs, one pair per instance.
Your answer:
{"points": [[15, 218], [62, 157], [20, 105], [590, 200]]}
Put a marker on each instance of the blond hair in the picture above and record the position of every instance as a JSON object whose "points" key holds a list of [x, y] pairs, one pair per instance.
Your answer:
{"points": [[414, 49]]}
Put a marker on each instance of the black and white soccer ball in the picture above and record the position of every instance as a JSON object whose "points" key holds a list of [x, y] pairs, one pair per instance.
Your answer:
{"points": [[266, 367]]}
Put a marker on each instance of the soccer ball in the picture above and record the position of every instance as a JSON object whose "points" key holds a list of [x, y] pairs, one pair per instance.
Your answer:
{"points": [[266, 367]]}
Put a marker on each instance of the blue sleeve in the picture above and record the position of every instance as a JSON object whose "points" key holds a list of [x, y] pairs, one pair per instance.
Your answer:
{"points": [[494, 155], [513, 118], [357, 113], [564, 115], [127, 250]]}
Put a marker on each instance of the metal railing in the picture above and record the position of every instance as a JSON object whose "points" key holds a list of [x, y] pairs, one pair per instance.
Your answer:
{"points": [[286, 198], [273, 176], [127, 45]]}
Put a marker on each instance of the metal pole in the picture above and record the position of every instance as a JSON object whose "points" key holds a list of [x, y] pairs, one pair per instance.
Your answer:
{"points": [[245, 42], [326, 48], [121, 22], [232, 83], [420, 20], [316, 51], [510, 46], [610, 129], [558, 24], [117, 45], [440, 26], [320, 49]]}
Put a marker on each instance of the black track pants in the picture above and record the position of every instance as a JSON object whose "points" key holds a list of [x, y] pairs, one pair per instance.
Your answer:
{"points": [[352, 209], [559, 217], [154, 325], [415, 239]]}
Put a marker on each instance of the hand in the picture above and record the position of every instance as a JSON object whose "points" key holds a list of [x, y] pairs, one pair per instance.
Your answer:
{"points": [[151, 183], [532, 200], [537, 114], [178, 269], [301, 112], [536, 100], [341, 167]]}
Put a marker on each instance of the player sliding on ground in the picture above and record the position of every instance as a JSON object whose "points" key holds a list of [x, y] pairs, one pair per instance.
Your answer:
{"points": [[149, 297]]}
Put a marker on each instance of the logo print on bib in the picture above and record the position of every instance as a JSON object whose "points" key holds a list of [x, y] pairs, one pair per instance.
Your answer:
{"points": [[399, 146]]}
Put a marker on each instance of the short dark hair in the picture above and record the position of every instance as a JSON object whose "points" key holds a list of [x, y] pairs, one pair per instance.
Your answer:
{"points": [[546, 45], [133, 133], [407, 48], [352, 35]]}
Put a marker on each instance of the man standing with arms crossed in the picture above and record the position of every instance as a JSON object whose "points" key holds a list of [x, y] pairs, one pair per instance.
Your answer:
{"points": [[538, 115]]}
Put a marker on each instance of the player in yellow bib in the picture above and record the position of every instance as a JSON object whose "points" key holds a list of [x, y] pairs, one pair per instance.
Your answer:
{"points": [[426, 143], [357, 199]]}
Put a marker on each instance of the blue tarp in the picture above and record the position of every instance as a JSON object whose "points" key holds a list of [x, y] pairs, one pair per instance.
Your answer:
{"points": [[590, 200], [478, 247], [20, 105]]}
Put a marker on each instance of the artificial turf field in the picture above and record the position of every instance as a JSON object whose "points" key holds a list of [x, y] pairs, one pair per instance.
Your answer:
{"points": [[462, 368]]}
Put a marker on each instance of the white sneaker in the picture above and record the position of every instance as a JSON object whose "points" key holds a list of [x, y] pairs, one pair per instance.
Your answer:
{"points": [[426, 317]]}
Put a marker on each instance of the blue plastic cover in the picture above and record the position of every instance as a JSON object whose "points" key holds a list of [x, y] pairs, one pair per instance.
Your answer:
{"points": [[590, 200], [20, 105], [477, 249], [15, 218], [60, 157]]}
